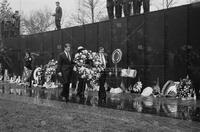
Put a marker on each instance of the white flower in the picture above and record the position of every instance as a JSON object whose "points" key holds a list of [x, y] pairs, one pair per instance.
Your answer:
{"points": [[82, 68], [81, 61], [90, 76], [83, 56], [94, 53], [84, 51], [76, 55]]}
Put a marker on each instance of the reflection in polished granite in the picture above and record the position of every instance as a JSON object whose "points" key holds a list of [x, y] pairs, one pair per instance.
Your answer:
{"points": [[167, 107]]}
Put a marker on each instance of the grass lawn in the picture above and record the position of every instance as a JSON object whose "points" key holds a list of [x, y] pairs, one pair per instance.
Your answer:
{"points": [[16, 116]]}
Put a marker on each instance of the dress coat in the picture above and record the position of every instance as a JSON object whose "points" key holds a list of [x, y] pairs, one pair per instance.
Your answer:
{"points": [[58, 14], [65, 66]]}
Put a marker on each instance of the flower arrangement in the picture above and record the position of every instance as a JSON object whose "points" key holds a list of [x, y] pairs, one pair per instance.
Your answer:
{"points": [[185, 88], [50, 69], [37, 75], [136, 87], [13, 79], [88, 65], [26, 75]]}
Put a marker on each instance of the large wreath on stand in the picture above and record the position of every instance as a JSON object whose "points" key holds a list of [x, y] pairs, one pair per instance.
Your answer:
{"points": [[88, 65]]}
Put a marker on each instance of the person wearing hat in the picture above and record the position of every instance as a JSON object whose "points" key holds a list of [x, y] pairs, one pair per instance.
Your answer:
{"points": [[80, 48], [58, 15], [74, 74], [81, 81], [64, 69]]}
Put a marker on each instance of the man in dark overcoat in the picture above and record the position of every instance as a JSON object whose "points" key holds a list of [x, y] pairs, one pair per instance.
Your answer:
{"points": [[110, 8], [64, 69], [118, 8]]}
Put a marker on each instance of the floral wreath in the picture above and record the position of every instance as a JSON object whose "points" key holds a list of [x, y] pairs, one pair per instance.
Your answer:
{"points": [[88, 65]]}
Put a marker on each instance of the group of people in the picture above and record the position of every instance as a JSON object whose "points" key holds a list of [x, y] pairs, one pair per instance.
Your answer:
{"points": [[126, 6], [10, 27], [114, 9], [65, 70]]}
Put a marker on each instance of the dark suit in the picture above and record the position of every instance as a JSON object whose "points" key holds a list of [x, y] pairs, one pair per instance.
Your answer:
{"points": [[146, 5], [102, 80], [126, 7], [110, 8], [137, 6], [118, 8], [65, 66], [58, 17], [81, 89]]}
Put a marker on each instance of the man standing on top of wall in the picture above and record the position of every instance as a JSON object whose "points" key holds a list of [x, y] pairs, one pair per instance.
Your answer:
{"points": [[58, 15], [110, 8], [126, 7], [118, 8], [146, 5], [137, 6], [16, 23]]}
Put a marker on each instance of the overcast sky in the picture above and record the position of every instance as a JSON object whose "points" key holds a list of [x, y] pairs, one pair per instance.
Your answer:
{"points": [[29, 5], [68, 5]]}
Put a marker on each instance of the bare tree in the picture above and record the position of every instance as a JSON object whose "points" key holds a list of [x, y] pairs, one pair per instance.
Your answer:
{"points": [[79, 17], [5, 10], [91, 5], [38, 21], [5, 13], [89, 11], [168, 3]]}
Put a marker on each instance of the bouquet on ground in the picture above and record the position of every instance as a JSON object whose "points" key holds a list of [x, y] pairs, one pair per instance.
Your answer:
{"points": [[136, 87], [185, 88], [37, 75], [50, 69]]}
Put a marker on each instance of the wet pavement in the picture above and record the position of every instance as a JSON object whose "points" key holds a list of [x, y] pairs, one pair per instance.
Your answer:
{"points": [[165, 107]]}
